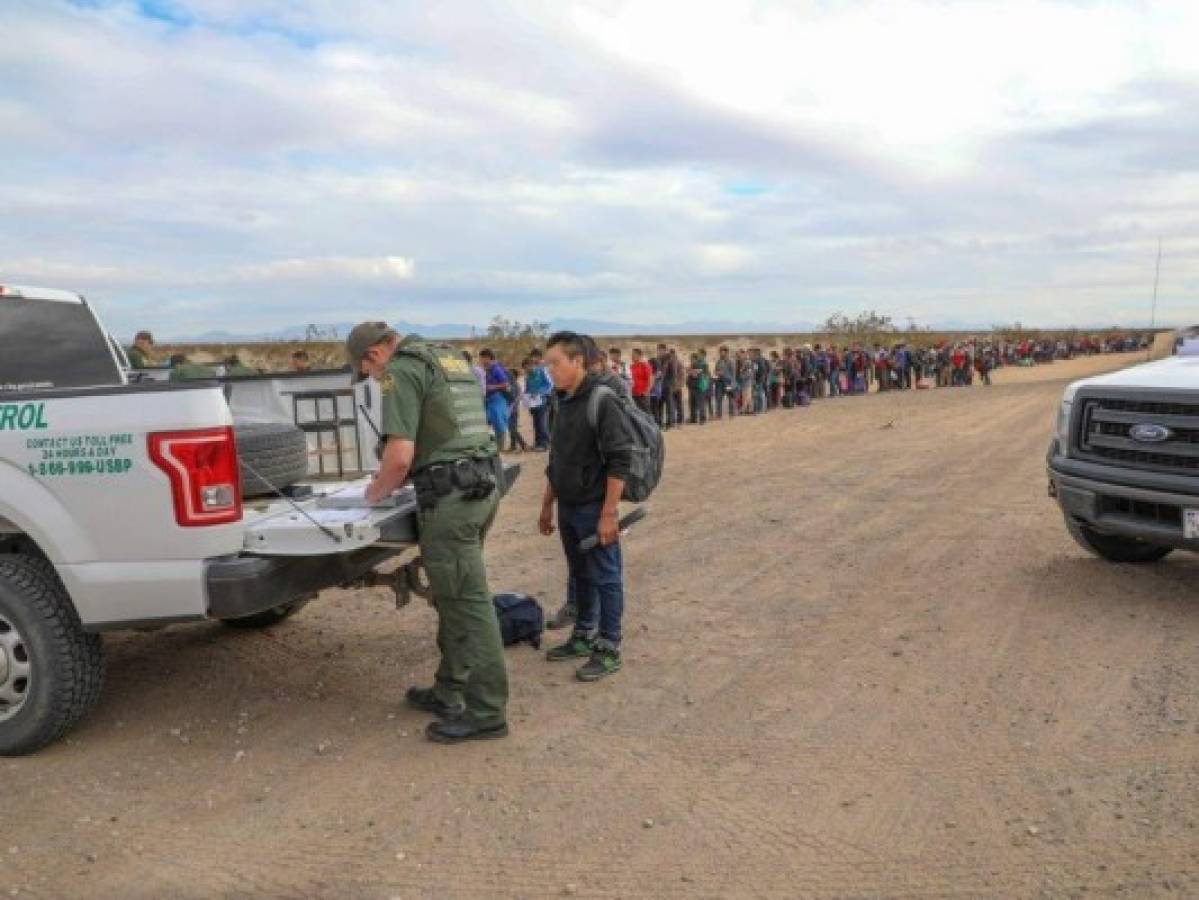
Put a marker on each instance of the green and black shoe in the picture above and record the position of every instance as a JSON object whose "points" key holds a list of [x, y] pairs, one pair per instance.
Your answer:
{"points": [[605, 660], [577, 647]]}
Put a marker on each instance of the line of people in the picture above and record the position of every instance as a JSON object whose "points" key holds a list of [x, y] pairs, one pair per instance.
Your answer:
{"points": [[750, 382], [677, 387]]}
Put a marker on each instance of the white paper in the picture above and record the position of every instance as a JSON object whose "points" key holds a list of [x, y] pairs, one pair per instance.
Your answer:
{"points": [[339, 516]]}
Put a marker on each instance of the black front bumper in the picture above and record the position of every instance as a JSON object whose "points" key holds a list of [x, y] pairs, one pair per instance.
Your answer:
{"points": [[1127, 502], [244, 585]]}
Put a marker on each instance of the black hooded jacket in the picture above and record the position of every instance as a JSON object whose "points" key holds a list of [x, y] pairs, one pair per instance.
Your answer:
{"points": [[582, 458]]}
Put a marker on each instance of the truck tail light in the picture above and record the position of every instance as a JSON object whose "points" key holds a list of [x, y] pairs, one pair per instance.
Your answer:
{"points": [[205, 477]]}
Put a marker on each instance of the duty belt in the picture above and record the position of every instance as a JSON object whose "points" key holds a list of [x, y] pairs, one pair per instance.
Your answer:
{"points": [[475, 478]]}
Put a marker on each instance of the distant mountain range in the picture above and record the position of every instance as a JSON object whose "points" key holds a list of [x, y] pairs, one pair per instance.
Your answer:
{"points": [[460, 330], [598, 327]]}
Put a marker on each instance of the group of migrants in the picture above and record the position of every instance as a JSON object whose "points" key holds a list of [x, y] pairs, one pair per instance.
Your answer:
{"points": [[677, 387], [674, 389]]}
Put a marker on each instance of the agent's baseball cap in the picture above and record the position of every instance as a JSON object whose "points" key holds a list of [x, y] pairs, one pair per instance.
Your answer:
{"points": [[364, 336]]}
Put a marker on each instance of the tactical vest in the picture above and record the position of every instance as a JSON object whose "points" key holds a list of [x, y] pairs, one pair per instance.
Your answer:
{"points": [[453, 423]]}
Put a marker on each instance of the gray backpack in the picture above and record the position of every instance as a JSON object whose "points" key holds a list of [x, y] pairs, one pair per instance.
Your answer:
{"points": [[649, 450]]}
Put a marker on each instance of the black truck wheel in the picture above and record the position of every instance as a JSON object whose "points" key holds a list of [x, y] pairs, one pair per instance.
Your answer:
{"points": [[268, 617], [1114, 547], [273, 455], [51, 670]]}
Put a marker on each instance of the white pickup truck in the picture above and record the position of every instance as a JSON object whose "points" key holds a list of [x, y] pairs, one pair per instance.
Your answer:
{"points": [[1124, 461], [121, 506]]}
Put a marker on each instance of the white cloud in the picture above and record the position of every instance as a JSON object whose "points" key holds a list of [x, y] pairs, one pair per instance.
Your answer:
{"points": [[383, 269], [722, 259], [665, 160]]}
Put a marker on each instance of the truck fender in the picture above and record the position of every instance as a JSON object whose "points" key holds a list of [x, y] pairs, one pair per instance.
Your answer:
{"points": [[32, 508]]}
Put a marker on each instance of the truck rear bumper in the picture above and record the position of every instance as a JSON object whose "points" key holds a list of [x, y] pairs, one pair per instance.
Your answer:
{"points": [[243, 585], [1088, 494]]}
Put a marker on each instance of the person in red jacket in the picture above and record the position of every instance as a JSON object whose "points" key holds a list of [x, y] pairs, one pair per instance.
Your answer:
{"points": [[642, 374]]}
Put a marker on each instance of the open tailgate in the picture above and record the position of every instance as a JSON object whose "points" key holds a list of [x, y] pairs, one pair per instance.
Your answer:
{"points": [[327, 522], [312, 527]]}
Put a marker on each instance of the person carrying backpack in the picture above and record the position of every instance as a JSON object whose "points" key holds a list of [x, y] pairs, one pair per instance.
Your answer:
{"points": [[593, 457]]}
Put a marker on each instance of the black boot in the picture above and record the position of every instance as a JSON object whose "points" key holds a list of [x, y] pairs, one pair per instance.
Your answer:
{"points": [[464, 729], [426, 700]]}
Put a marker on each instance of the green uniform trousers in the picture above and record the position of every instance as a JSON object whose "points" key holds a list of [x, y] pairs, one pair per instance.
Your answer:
{"points": [[472, 669]]}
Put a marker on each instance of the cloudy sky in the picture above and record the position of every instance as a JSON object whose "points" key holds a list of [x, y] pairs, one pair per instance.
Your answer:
{"points": [[251, 164]]}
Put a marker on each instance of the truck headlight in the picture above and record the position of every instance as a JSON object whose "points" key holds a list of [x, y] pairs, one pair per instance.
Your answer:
{"points": [[1063, 424]]}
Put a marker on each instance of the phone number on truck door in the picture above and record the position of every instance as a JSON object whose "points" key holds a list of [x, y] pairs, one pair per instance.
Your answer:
{"points": [[81, 467]]}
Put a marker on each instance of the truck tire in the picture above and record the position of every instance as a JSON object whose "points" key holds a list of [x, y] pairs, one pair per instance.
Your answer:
{"points": [[1114, 547], [274, 455], [268, 617], [51, 670]]}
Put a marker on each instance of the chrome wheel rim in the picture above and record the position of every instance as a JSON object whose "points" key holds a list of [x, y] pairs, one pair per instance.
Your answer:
{"points": [[16, 670]]}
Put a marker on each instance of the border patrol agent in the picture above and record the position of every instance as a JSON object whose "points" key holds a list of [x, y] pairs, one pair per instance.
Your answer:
{"points": [[183, 369], [435, 430], [140, 353]]}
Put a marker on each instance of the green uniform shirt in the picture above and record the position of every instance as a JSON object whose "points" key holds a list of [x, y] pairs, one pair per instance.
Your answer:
{"points": [[192, 372], [431, 397], [137, 359]]}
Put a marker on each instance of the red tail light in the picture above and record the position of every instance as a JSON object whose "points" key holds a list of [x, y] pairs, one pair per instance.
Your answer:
{"points": [[205, 479]]}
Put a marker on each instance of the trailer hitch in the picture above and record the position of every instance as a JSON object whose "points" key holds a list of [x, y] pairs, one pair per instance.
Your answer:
{"points": [[406, 580]]}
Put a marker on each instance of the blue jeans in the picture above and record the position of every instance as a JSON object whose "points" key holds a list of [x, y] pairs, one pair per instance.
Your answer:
{"points": [[541, 434], [596, 576], [724, 396], [698, 402]]}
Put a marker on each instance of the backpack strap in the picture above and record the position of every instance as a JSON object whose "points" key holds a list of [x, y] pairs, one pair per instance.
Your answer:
{"points": [[593, 403]]}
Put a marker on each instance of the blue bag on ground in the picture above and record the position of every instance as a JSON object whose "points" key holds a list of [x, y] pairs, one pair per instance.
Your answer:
{"points": [[521, 619]]}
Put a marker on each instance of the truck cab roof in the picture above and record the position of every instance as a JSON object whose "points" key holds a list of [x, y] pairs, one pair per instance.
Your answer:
{"points": [[28, 292]]}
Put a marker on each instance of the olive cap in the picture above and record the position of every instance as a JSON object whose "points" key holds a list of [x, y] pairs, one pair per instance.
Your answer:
{"points": [[364, 336]]}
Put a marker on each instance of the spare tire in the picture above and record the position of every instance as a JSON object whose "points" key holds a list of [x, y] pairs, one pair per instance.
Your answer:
{"points": [[274, 455]]}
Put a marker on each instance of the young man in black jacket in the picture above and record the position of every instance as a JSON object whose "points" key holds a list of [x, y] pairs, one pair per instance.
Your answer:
{"points": [[585, 479]]}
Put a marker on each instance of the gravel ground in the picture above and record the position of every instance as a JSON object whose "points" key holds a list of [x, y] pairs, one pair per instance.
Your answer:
{"points": [[863, 659]]}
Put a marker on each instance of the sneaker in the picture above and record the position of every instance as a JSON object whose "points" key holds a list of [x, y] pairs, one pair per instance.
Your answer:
{"points": [[566, 615], [578, 646], [426, 700], [604, 661]]}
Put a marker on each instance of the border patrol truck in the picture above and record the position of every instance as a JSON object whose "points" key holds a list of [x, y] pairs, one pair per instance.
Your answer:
{"points": [[121, 507]]}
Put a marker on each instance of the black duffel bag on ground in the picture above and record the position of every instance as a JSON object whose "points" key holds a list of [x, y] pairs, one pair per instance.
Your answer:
{"points": [[521, 619]]}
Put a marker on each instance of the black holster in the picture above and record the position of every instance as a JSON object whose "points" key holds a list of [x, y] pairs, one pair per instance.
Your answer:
{"points": [[474, 478]]}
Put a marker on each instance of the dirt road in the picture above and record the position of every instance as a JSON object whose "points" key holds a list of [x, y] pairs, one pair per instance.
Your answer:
{"points": [[864, 659]]}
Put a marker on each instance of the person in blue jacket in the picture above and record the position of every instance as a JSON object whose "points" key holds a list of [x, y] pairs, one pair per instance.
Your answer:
{"points": [[495, 400]]}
